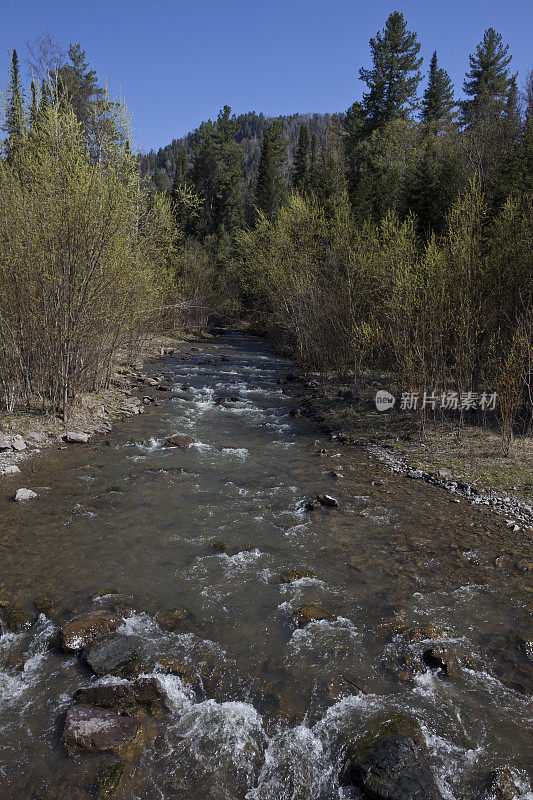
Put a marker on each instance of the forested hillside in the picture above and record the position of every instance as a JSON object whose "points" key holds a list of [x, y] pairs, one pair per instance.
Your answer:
{"points": [[251, 128]]}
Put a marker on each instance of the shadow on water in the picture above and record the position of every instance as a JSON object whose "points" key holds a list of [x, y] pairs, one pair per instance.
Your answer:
{"points": [[397, 567]]}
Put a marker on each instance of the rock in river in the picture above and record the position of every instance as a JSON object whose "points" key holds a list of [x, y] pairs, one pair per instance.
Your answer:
{"points": [[111, 656], [327, 500], [390, 763], [82, 632], [76, 437], [303, 615], [24, 494], [180, 440], [122, 697], [91, 728]]}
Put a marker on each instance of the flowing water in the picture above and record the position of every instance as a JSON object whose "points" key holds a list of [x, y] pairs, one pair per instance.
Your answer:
{"points": [[276, 705]]}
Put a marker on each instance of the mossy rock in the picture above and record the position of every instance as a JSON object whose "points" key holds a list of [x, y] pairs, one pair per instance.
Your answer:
{"points": [[291, 575], [108, 779], [14, 616]]}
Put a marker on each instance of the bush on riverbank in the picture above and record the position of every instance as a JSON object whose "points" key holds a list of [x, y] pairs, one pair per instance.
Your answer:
{"points": [[453, 312], [84, 252]]}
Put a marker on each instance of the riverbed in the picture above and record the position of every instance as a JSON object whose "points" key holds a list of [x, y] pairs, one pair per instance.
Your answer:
{"points": [[131, 524]]}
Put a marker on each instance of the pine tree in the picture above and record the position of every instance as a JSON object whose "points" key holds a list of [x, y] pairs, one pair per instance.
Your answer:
{"points": [[271, 190], [438, 102], [180, 173], [34, 109], [395, 75], [313, 164], [301, 160], [488, 81], [15, 121]]}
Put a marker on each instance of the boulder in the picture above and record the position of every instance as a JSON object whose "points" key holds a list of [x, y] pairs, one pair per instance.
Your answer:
{"points": [[5, 443], [90, 728], [114, 656], [327, 500], [442, 658], [390, 763], [24, 494], [108, 779], [122, 697], [18, 444], [76, 437], [311, 505], [83, 632], [11, 469], [227, 400], [303, 615], [291, 575], [180, 440]]}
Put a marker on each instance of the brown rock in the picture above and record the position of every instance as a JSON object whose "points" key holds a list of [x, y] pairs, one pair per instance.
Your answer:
{"points": [[311, 613], [180, 440], [82, 632], [91, 728]]}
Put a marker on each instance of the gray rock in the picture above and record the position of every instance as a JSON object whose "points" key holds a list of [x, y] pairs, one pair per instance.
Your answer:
{"points": [[122, 697], [24, 494], [390, 763], [18, 444], [5, 443], [111, 656], [90, 728], [76, 437], [35, 437], [11, 469], [415, 473]]}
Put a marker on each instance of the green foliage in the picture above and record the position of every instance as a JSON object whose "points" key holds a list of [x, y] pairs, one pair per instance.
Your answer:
{"points": [[84, 256], [271, 189]]}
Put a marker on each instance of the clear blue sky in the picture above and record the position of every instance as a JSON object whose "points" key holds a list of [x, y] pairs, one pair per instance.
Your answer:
{"points": [[177, 62]]}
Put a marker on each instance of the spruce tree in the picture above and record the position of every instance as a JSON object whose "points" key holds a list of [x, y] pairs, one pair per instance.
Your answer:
{"points": [[438, 102], [271, 190], [180, 173], [301, 160], [14, 121], [313, 164], [395, 75], [488, 82]]}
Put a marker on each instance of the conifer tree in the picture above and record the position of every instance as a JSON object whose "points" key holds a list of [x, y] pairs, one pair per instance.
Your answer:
{"points": [[313, 164], [34, 109], [487, 84], [14, 121], [301, 160], [394, 77], [271, 189], [180, 173], [438, 102]]}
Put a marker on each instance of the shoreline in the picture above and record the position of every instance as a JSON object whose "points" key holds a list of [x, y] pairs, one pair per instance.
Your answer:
{"points": [[350, 421], [91, 413]]}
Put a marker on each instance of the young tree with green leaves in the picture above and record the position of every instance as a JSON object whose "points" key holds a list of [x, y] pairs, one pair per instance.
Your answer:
{"points": [[394, 77]]}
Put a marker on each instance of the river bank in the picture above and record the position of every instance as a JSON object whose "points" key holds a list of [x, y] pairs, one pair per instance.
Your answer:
{"points": [[26, 432], [467, 463]]}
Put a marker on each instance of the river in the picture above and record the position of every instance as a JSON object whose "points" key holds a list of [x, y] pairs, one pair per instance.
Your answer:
{"points": [[397, 564]]}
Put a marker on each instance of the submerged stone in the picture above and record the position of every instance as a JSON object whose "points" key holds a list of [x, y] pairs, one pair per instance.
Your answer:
{"points": [[313, 612], [390, 763], [180, 440]]}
